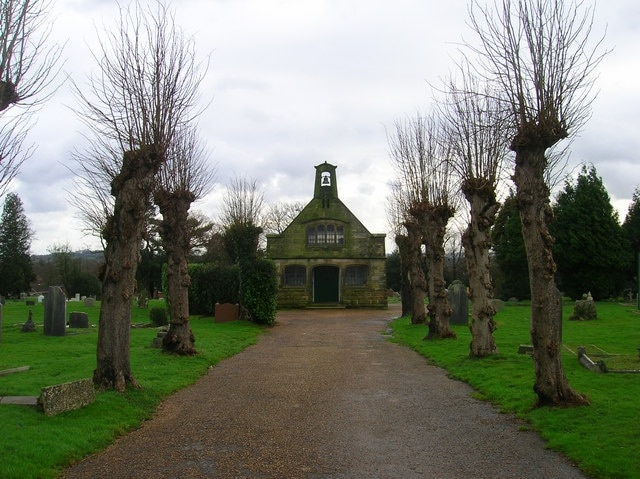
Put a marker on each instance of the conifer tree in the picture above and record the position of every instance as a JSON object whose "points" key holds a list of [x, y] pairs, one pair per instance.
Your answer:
{"points": [[590, 248], [16, 271]]}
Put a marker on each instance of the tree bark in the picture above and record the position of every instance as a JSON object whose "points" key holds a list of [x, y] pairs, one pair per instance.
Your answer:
{"points": [[174, 207], [416, 277], [477, 242], [123, 235], [439, 309], [405, 285], [551, 384]]}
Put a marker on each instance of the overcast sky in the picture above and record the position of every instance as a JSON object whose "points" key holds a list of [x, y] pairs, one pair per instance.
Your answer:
{"points": [[294, 83]]}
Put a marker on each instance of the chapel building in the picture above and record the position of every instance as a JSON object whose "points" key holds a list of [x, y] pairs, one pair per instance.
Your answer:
{"points": [[326, 256]]}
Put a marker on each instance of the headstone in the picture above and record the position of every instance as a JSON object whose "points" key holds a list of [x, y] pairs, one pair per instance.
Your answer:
{"points": [[55, 307], [66, 396], [459, 302], [89, 302], [41, 298], [78, 319], [226, 312], [29, 326]]}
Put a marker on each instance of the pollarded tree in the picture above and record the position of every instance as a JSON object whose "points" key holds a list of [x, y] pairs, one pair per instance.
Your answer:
{"points": [[27, 69], [16, 270], [590, 247], [144, 94], [539, 56], [184, 178], [421, 159], [477, 133]]}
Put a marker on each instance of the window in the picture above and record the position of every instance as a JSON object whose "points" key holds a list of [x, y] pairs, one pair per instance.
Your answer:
{"points": [[295, 276], [356, 275], [325, 234]]}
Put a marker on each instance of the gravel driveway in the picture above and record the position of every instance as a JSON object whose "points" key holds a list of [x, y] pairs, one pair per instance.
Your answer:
{"points": [[324, 395]]}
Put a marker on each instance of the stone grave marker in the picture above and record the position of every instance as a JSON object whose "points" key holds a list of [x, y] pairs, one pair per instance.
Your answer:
{"points": [[498, 305], [459, 302], [29, 326], [89, 302], [78, 319], [55, 312]]}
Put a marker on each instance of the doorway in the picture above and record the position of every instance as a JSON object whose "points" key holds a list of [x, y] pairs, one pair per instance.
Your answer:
{"points": [[326, 284]]}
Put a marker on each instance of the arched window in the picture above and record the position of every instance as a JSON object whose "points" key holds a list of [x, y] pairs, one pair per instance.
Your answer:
{"points": [[356, 275], [295, 276], [311, 235], [331, 234]]}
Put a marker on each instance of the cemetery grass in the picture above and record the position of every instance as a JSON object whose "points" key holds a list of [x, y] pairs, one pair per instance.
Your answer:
{"points": [[603, 439], [36, 446]]}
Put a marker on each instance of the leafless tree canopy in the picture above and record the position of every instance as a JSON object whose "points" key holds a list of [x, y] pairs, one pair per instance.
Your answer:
{"points": [[542, 56], [279, 215], [243, 203], [28, 67], [422, 161], [188, 167], [144, 93]]}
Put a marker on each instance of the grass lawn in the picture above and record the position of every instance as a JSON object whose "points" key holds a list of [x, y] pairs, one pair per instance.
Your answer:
{"points": [[36, 446], [603, 439]]}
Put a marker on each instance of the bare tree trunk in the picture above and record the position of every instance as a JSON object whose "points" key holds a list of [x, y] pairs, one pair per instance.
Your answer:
{"points": [[174, 208], [439, 308], [477, 242], [551, 384], [405, 285], [415, 273], [123, 235]]}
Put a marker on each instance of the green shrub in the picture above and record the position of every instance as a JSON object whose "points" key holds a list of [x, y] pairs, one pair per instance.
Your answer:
{"points": [[158, 316], [259, 289], [211, 284]]}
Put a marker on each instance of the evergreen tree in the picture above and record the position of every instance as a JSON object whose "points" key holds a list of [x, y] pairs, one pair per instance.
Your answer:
{"points": [[631, 228], [631, 225], [590, 248], [16, 270], [512, 279]]}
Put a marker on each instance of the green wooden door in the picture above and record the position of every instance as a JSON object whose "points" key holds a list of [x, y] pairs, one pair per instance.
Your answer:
{"points": [[326, 284]]}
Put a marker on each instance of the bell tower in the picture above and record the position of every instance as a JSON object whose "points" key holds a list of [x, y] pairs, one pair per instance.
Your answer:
{"points": [[326, 187]]}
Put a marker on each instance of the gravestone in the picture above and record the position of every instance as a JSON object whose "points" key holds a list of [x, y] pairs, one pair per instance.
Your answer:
{"points": [[459, 302], [55, 308], [66, 396], [29, 326], [89, 302], [78, 319], [226, 312]]}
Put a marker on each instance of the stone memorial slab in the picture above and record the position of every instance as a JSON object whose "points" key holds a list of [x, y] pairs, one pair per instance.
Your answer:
{"points": [[55, 308], [226, 312], [66, 396], [78, 319], [459, 302], [89, 302]]}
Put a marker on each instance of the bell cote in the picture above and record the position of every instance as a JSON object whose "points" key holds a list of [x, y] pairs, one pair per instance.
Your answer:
{"points": [[326, 186]]}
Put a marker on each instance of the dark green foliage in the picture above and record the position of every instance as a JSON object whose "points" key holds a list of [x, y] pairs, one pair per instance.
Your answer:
{"points": [[392, 267], [512, 277], [84, 284], [590, 249], [158, 316], [149, 271], [16, 270], [211, 284], [241, 241], [259, 289], [631, 228]]}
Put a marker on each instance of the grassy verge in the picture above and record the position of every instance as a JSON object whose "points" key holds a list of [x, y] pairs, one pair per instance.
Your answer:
{"points": [[36, 446], [604, 438]]}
